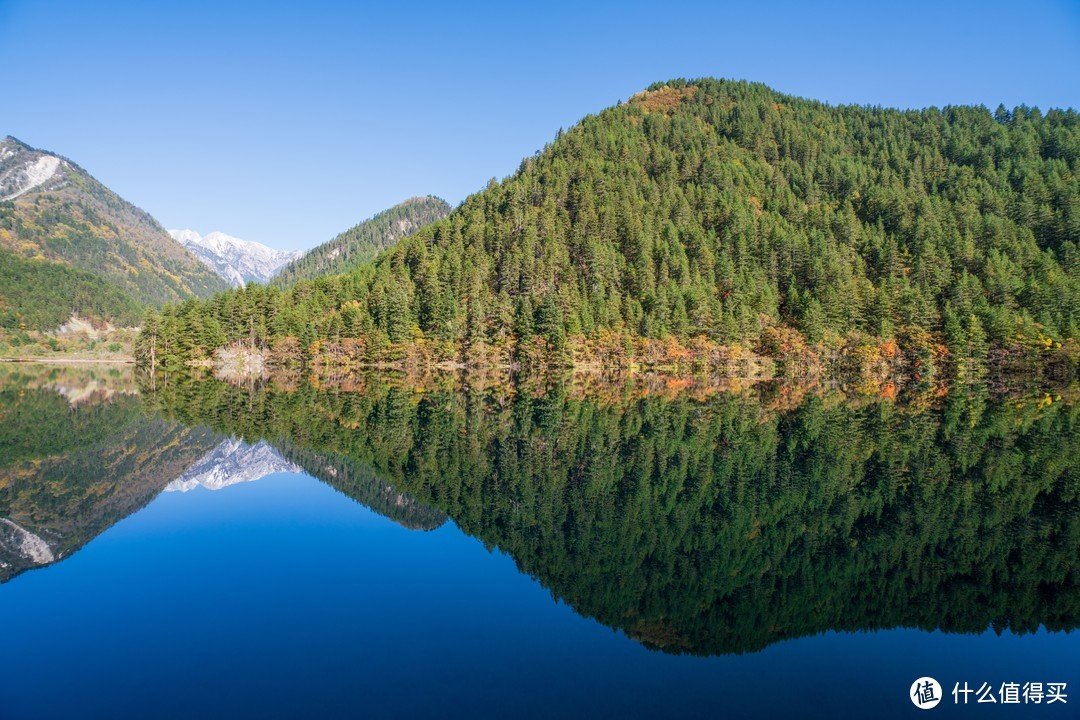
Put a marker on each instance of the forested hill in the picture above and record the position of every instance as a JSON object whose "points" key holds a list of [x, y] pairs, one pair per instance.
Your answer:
{"points": [[714, 211], [361, 243], [70, 245]]}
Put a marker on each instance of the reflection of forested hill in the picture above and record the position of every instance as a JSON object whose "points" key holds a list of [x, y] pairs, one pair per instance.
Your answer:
{"points": [[258, 416], [365, 486], [69, 472], [79, 452], [719, 525], [47, 410]]}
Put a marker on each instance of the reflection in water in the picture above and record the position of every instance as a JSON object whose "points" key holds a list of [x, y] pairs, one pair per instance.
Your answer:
{"points": [[79, 452], [714, 524], [364, 485], [73, 461], [232, 462], [704, 523]]}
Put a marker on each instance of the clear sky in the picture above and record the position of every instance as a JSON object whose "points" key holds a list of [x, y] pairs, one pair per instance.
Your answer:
{"points": [[289, 122]]}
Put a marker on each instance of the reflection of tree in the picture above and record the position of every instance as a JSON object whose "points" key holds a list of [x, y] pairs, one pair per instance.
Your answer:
{"points": [[718, 525], [48, 409]]}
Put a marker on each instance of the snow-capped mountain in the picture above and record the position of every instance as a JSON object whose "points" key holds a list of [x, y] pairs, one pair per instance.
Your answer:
{"points": [[232, 462], [238, 261]]}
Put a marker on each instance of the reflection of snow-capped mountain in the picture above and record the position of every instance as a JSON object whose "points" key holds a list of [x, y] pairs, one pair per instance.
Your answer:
{"points": [[232, 462]]}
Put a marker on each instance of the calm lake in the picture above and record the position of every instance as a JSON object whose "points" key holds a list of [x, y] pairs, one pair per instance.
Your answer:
{"points": [[649, 548]]}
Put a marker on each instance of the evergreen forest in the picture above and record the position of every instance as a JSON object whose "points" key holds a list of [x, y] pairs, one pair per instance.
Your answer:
{"points": [[710, 214]]}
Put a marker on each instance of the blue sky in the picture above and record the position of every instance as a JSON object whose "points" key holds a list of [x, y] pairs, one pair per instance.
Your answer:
{"points": [[287, 123]]}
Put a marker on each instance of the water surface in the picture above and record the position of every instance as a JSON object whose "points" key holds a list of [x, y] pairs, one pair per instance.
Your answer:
{"points": [[641, 549]]}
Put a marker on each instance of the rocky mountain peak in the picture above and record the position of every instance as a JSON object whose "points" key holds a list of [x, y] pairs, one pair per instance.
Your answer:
{"points": [[237, 261]]}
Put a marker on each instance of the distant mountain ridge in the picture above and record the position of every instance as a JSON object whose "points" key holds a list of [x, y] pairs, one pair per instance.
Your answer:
{"points": [[67, 242], [236, 261], [361, 243]]}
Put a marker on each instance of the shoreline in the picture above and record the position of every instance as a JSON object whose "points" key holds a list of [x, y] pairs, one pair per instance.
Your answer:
{"points": [[70, 360]]}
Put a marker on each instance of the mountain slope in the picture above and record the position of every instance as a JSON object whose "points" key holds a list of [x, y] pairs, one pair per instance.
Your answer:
{"points": [[38, 294], [363, 242], [723, 212], [236, 261], [52, 210]]}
